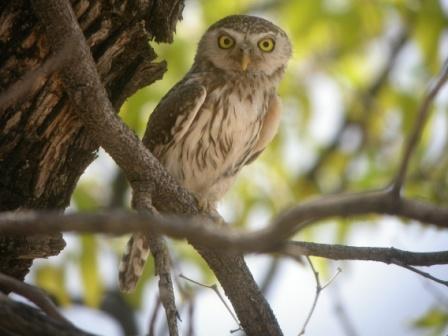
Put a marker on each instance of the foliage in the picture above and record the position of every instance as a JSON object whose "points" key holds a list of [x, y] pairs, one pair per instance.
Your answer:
{"points": [[435, 321]]}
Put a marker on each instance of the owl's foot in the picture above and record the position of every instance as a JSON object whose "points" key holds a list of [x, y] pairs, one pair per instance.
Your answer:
{"points": [[208, 207]]}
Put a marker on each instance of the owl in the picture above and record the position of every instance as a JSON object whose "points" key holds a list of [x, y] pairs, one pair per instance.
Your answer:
{"points": [[218, 118]]}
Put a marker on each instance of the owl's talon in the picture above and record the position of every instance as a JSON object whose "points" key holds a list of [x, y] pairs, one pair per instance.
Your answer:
{"points": [[206, 206]]}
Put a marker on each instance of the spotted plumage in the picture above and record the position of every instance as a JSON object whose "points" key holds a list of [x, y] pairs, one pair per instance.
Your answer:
{"points": [[219, 117]]}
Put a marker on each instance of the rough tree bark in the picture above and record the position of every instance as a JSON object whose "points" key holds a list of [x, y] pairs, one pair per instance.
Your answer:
{"points": [[43, 146]]}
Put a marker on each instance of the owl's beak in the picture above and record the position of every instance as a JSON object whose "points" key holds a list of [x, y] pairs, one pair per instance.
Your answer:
{"points": [[245, 60]]}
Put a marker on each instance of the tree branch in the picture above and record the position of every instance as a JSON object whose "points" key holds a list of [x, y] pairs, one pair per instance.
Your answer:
{"points": [[214, 288], [200, 229], [21, 319], [319, 289], [420, 122], [34, 294], [194, 229], [386, 255]]}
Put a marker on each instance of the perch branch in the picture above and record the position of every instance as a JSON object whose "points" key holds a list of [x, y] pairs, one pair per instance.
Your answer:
{"points": [[197, 228]]}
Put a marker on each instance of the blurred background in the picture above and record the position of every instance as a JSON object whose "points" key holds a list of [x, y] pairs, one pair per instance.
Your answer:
{"points": [[350, 95]]}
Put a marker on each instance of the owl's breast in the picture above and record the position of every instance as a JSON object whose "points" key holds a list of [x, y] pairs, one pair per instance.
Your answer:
{"points": [[219, 142]]}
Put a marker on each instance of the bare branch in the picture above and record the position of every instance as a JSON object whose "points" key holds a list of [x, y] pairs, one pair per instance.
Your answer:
{"points": [[319, 289], [341, 313], [34, 294], [423, 274], [420, 122], [191, 311], [20, 319], [389, 255], [266, 282], [215, 289], [199, 229], [152, 321]]}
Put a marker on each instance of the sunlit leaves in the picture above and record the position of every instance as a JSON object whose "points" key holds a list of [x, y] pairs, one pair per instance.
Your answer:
{"points": [[88, 263], [430, 23], [52, 279], [434, 322]]}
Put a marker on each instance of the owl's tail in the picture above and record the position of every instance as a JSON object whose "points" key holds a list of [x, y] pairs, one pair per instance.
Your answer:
{"points": [[132, 262]]}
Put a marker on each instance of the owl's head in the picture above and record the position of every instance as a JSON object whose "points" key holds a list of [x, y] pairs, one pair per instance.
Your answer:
{"points": [[242, 43]]}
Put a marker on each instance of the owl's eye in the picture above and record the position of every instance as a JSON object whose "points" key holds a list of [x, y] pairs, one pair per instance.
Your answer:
{"points": [[225, 42], [266, 44]]}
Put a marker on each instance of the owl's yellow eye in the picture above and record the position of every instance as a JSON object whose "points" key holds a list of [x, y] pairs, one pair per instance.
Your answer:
{"points": [[225, 42], [266, 44]]}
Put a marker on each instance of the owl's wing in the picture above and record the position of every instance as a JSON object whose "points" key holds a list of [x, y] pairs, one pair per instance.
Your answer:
{"points": [[172, 117], [269, 129], [174, 114]]}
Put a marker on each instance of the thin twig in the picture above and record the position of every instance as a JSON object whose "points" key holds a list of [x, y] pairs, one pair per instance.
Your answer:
{"points": [[191, 311], [34, 294], [419, 124], [266, 282], [423, 274], [341, 313], [439, 296], [214, 287], [319, 289], [153, 320]]}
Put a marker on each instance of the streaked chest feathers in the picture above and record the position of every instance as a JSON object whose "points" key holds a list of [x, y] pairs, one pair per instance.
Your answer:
{"points": [[219, 141]]}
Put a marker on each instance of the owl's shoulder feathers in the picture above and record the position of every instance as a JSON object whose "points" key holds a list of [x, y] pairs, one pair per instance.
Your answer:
{"points": [[174, 114]]}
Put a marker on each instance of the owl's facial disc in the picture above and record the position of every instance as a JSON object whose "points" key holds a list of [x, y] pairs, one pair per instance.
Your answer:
{"points": [[245, 44]]}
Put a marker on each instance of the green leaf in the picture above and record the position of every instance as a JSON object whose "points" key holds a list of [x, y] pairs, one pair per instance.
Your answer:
{"points": [[431, 22], [88, 263], [434, 321], [52, 280]]}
